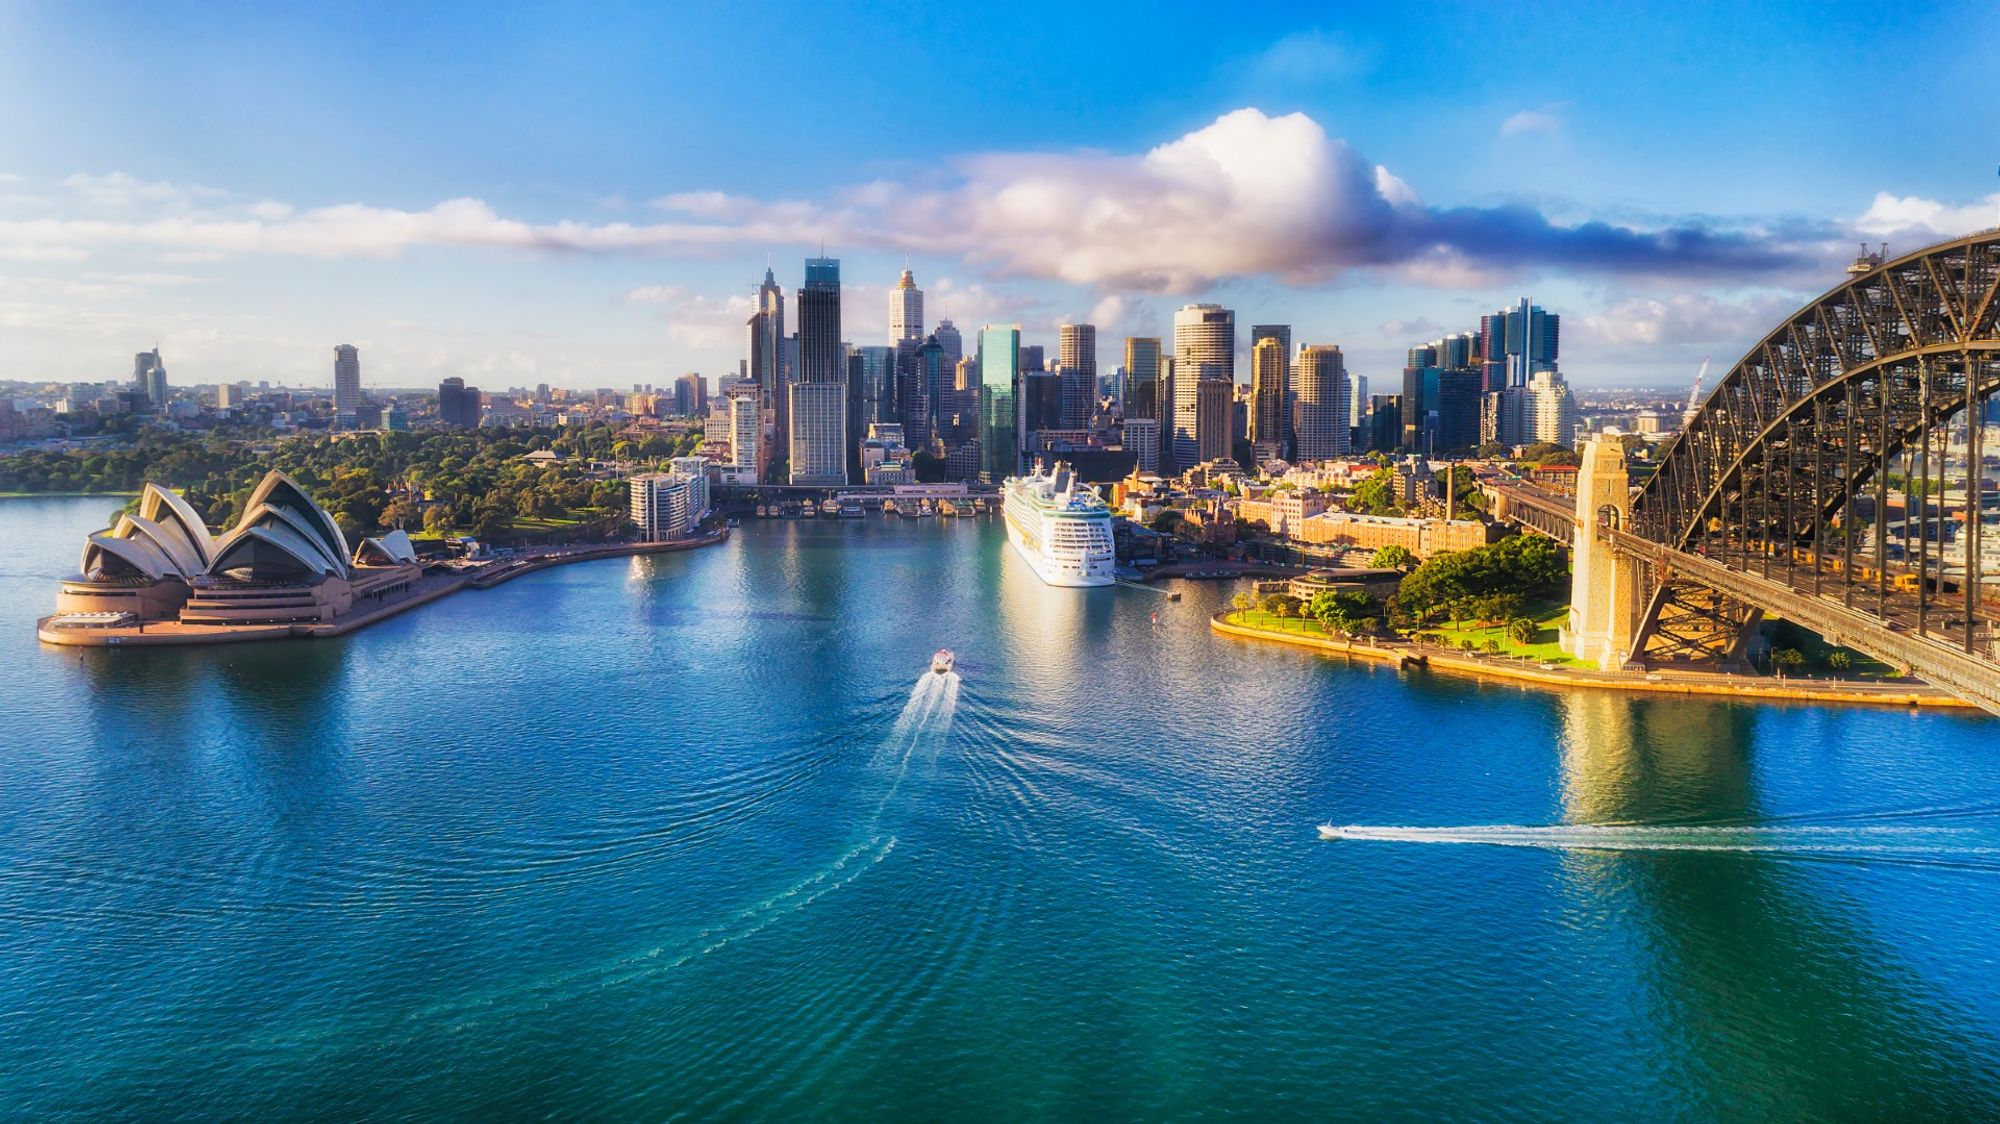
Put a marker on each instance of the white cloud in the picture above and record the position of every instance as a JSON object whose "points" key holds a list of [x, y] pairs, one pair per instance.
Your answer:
{"points": [[1309, 56], [1246, 195], [1545, 120], [1891, 215], [122, 190], [1727, 326]]}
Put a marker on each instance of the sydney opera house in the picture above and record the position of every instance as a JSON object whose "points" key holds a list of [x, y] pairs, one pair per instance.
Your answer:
{"points": [[285, 562]]}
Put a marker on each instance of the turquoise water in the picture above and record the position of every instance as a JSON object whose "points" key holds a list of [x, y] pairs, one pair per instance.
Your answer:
{"points": [[697, 835]]}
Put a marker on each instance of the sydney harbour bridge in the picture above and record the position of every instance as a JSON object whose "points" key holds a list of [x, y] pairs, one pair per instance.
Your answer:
{"points": [[1831, 478]]}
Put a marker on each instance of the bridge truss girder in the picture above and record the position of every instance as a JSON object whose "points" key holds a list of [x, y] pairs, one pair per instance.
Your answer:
{"points": [[1767, 476]]}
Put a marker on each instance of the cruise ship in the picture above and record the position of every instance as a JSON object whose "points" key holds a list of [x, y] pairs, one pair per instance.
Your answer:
{"points": [[1060, 526]]}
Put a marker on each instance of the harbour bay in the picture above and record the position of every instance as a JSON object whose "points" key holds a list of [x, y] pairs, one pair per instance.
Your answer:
{"points": [[683, 835]]}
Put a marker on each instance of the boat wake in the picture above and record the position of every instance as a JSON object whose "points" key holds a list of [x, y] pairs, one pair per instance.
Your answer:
{"points": [[1898, 840]]}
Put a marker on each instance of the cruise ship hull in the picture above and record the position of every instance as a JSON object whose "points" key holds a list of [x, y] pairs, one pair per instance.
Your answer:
{"points": [[1069, 548]]}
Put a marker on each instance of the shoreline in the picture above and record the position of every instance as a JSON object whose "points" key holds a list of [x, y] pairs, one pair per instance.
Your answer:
{"points": [[431, 587], [1402, 655]]}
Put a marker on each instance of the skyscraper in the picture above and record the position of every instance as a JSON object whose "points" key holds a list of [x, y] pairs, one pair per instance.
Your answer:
{"points": [[1076, 367], [458, 404], [1517, 342], [922, 398], [1323, 403], [766, 363], [691, 395], [906, 314], [149, 373], [999, 380], [949, 339], [1204, 348], [746, 430], [1215, 403], [346, 382], [818, 436], [1289, 393], [878, 384], [1267, 394], [1142, 377]]}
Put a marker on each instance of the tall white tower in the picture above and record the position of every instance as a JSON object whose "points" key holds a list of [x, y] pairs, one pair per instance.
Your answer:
{"points": [[906, 313]]}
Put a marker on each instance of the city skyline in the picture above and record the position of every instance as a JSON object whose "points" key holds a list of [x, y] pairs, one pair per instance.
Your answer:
{"points": [[1380, 214]]}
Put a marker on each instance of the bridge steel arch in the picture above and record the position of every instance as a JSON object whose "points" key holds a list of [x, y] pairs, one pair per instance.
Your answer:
{"points": [[1784, 469]]}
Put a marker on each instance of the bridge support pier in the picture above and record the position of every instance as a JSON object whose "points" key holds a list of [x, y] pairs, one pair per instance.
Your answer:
{"points": [[1607, 594]]}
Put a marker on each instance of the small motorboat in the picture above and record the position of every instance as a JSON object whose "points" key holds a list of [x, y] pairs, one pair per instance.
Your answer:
{"points": [[941, 661], [1329, 832]]}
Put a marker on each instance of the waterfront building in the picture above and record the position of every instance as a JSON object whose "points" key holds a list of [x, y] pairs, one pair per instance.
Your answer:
{"points": [[285, 561], [1323, 407], [667, 505], [999, 392], [1204, 349], [346, 384], [818, 439], [818, 412], [1422, 537], [746, 429]]}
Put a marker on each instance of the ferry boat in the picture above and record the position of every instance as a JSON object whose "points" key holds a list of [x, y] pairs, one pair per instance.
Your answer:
{"points": [[947, 508], [888, 507], [1060, 526], [830, 507], [924, 509], [850, 509]]}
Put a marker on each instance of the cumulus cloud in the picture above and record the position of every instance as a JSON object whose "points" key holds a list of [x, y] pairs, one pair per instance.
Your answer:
{"points": [[1247, 195], [1892, 215]]}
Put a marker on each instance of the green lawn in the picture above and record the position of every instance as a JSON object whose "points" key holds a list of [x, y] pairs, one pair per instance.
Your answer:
{"points": [[1549, 618], [1258, 618]]}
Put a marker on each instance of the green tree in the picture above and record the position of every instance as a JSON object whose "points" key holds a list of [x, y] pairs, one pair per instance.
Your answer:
{"points": [[1787, 659], [1394, 558], [1523, 630]]}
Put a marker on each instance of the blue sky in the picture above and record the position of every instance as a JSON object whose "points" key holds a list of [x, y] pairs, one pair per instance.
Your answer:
{"points": [[522, 194]]}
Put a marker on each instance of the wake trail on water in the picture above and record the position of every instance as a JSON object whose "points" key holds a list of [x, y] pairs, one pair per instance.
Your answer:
{"points": [[920, 728], [1965, 846]]}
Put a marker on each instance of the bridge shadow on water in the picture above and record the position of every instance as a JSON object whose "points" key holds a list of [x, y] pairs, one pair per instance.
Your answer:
{"points": [[1780, 1001]]}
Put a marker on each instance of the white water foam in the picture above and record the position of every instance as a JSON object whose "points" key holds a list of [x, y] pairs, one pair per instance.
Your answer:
{"points": [[1858, 839]]}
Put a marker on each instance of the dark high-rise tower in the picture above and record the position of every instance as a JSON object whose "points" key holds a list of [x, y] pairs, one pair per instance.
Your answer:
{"points": [[819, 389]]}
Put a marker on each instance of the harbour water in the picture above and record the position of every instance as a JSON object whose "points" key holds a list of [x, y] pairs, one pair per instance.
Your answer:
{"points": [[701, 835]]}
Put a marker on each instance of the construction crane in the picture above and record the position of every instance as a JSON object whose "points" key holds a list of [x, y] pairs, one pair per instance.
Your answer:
{"points": [[1694, 396]]}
